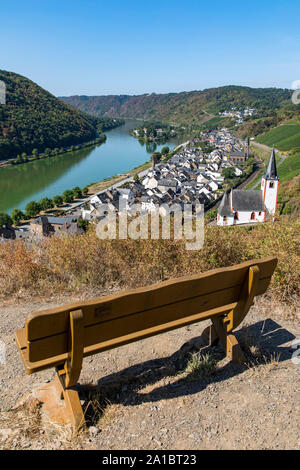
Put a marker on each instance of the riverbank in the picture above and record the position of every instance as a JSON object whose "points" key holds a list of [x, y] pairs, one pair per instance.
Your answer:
{"points": [[20, 159], [98, 187], [95, 188], [48, 177], [139, 171]]}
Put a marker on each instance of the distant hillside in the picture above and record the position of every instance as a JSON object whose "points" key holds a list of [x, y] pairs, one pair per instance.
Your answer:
{"points": [[186, 106], [33, 118]]}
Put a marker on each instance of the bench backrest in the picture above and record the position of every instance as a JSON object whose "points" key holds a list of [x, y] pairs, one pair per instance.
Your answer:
{"points": [[121, 318]]}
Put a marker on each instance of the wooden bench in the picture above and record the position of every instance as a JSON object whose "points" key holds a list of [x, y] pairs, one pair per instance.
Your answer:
{"points": [[61, 337]]}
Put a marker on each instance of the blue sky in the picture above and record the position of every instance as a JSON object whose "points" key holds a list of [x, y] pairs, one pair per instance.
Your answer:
{"points": [[97, 47]]}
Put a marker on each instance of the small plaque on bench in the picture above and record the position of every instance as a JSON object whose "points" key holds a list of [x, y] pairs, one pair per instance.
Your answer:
{"points": [[103, 311]]}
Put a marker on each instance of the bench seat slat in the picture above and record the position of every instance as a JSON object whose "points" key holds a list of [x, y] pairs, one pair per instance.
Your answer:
{"points": [[44, 323]]}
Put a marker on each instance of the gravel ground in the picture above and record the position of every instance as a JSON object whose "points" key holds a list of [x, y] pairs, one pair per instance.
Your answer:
{"points": [[142, 396]]}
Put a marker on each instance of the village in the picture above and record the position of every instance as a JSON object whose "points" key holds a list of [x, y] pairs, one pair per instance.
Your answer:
{"points": [[195, 173], [238, 114], [198, 171], [190, 176]]}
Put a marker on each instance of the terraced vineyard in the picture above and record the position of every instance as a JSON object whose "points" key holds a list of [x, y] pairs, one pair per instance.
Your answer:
{"points": [[285, 137], [289, 168], [286, 170]]}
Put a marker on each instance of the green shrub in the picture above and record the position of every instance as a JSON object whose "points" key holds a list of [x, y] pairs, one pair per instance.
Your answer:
{"points": [[68, 196], [32, 209]]}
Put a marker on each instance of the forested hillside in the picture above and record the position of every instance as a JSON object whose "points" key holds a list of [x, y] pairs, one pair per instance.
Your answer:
{"points": [[33, 118], [186, 106]]}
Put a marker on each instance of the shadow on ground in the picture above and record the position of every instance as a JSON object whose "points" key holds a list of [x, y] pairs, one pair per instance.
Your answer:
{"points": [[262, 342]]}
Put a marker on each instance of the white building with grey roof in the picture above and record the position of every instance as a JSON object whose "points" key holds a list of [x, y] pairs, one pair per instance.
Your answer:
{"points": [[250, 206]]}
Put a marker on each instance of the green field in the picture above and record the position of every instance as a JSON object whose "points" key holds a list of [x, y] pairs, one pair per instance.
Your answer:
{"points": [[286, 171], [289, 168], [213, 123], [285, 137]]}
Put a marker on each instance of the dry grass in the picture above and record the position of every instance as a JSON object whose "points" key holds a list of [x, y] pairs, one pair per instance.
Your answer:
{"points": [[23, 427], [59, 265], [99, 409], [26, 418], [263, 364]]}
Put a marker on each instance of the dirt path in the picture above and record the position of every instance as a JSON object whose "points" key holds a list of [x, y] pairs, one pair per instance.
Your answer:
{"points": [[147, 399], [206, 118]]}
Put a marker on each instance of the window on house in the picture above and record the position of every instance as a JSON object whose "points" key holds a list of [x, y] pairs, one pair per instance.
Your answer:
{"points": [[271, 185], [252, 216], [259, 213], [224, 219], [236, 216]]}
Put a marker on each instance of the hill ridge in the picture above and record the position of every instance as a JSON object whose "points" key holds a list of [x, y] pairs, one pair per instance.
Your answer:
{"points": [[186, 106], [34, 118]]}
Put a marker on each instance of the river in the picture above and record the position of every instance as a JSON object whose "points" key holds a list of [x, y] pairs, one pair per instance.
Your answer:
{"points": [[32, 181]]}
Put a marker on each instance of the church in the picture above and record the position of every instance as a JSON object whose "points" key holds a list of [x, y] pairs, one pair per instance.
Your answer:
{"points": [[250, 206]]}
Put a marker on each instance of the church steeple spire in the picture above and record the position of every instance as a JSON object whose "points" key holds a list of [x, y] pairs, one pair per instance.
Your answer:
{"points": [[269, 185], [271, 171], [247, 145]]}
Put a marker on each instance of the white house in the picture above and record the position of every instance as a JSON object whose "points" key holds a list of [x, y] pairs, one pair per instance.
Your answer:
{"points": [[126, 194], [95, 199], [87, 213], [250, 206], [148, 204], [151, 182], [213, 185], [237, 171]]}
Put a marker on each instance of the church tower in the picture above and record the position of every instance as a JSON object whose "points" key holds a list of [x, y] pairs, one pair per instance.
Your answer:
{"points": [[247, 146], [269, 186]]}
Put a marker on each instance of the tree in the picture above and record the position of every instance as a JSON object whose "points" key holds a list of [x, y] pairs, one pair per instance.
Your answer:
{"points": [[136, 177], [228, 173], [5, 219], [165, 150], [68, 196], [16, 216], [84, 224], [77, 193], [85, 190], [155, 157], [35, 153], [58, 200], [32, 209], [46, 203]]}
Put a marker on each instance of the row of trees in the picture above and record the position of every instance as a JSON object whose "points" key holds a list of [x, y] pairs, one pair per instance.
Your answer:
{"points": [[48, 152], [107, 123], [33, 208]]}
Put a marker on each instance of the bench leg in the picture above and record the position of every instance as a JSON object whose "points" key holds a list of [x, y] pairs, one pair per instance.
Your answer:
{"points": [[72, 401], [210, 336], [229, 342]]}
